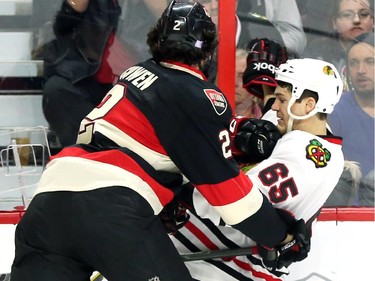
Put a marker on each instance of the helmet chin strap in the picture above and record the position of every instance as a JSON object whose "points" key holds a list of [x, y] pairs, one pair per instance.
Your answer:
{"points": [[293, 117], [290, 124]]}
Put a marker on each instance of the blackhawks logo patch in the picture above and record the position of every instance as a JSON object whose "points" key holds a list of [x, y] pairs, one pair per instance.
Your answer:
{"points": [[217, 100], [319, 155]]}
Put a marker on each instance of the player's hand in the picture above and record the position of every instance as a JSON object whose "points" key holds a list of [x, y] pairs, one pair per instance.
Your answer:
{"points": [[297, 249], [263, 58], [270, 258], [277, 259], [253, 140], [174, 216]]}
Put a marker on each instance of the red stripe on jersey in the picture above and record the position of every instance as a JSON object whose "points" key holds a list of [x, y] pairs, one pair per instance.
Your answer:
{"points": [[258, 274], [205, 240], [70, 151], [201, 236], [123, 161], [226, 192], [134, 123], [335, 140]]}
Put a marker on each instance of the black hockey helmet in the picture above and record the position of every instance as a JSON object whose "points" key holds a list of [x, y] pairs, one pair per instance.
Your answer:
{"points": [[185, 23]]}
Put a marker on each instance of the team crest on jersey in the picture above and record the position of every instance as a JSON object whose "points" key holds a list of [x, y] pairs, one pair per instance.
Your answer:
{"points": [[319, 155], [217, 100]]}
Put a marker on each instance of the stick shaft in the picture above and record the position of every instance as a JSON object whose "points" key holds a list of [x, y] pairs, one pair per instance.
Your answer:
{"points": [[208, 255], [205, 255]]}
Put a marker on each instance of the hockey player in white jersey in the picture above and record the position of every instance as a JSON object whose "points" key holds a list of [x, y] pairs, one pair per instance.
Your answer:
{"points": [[297, 177]]}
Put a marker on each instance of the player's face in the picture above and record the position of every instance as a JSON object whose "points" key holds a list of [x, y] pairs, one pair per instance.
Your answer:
{"points": [[361, 69], [353, 18], [283, 95], [280, 105]]}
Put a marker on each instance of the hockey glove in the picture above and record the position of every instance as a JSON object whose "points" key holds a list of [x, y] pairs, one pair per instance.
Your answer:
{"points": [[253, 140], [298, 248], [263, 58], [174, 216], [277, 259], [270, 258]]}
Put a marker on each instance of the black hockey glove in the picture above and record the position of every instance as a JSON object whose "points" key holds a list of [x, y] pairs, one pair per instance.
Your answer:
{"points": [[263, 58], [253, 140], [174, 216], [277, 259], [270, 258], [298, 248]]}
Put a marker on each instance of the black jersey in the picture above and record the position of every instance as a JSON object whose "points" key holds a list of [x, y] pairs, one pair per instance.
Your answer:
{"points": [[161, 125]]}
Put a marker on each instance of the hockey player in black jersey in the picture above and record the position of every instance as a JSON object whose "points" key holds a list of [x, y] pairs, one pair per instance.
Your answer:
{"points": [[162, 125]]}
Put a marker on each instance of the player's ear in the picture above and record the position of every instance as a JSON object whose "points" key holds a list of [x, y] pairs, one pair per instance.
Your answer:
{"points": [[310, 104]]}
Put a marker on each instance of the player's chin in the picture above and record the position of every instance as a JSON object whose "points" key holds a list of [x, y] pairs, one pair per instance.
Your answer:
{"points": [[281, 126]]}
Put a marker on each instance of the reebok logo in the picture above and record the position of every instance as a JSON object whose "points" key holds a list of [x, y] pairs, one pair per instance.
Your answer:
{"points": [[155, 278], [288, 245], [263, 65]]}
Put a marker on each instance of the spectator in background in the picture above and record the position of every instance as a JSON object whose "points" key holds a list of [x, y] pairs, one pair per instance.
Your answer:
{"points": [[42, 22], [316, 17], [349, 19], [252, 26], [353, 118], [81, 67], [77, 64], [285, 16], [246, 104], [249, 26], [137, 18]]}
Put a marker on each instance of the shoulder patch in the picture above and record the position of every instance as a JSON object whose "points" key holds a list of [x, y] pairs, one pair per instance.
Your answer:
{"points": [[217, 100], [319, 155]]}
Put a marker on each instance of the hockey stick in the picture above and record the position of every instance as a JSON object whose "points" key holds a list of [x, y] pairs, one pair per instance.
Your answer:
{"points": [[205, 255], [214, 254]]}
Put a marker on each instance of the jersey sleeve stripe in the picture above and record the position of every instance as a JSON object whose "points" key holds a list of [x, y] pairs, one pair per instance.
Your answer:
{"points": [[238, 211], [234, 199], [87, 172], [226, 192]]}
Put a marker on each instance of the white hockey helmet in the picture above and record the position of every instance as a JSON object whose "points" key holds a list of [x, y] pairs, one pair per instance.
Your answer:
{"points": [[315, 75]]}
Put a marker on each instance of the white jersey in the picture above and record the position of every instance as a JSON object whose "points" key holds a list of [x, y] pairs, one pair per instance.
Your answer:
{"points": [[298, 177]]}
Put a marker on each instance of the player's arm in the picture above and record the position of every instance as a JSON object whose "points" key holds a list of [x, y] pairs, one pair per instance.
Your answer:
{"points": [[174, 215], [213, 171], [249, 136], [245, 208], [277, 259], [69, 17]]}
